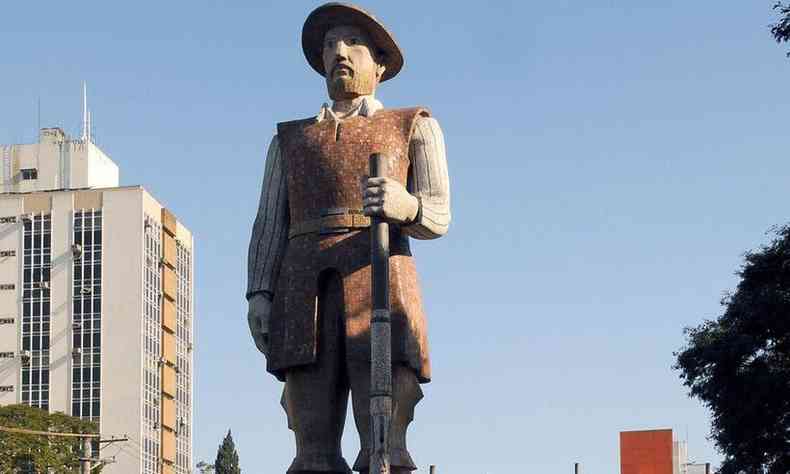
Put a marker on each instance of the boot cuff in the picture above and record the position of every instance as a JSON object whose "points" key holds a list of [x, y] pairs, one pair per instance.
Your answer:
{"points": [[398, 458], [330, 464]]}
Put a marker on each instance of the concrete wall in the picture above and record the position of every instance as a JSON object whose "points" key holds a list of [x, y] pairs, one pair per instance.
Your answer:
{"points": [[122, 281], [10, 334], [102, 172], [60, 303], [61, 163]]}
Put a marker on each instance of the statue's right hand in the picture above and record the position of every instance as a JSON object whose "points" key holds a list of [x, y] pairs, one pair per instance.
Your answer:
{"points": [[258, 315]]}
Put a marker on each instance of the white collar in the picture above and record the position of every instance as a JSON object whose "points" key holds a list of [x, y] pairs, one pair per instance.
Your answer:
{"points": [[368, 106]]}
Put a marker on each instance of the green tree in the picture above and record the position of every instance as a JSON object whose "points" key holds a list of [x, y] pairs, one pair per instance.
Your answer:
{"points": [[21, 452], [781, 29], [739, 364], [227, 461]]}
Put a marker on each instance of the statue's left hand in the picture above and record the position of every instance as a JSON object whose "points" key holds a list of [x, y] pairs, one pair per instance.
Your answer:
{"points": [[388, 198], [258, 314]]}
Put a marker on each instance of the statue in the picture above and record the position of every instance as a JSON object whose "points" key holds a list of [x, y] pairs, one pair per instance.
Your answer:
{"points": [[309, 257]]}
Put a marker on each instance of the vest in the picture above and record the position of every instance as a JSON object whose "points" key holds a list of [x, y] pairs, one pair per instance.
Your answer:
{"points": [[325, 163]]}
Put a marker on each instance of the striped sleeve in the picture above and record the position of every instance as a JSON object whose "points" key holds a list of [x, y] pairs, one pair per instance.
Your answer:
{"points": [[270, 230], [429, 181]]}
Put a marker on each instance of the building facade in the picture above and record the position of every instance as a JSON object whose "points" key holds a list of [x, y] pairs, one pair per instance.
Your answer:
{"points": [[96, 302], [656, 452]]}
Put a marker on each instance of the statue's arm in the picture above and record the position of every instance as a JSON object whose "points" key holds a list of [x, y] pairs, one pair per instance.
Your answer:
{"points": [[267, 245], [429, 181], [270, 230]]}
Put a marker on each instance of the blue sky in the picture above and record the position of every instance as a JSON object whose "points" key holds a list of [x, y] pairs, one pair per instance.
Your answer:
{"points": [[610, 163]]}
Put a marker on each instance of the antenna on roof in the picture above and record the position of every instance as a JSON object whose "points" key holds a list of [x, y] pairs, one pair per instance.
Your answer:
{"points": [[86, 132]]}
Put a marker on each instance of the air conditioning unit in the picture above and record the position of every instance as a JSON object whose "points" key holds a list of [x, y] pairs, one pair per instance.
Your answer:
{"points": [[87, 290], [76, 250], [29, 173], [25, 356], [41, 285]]}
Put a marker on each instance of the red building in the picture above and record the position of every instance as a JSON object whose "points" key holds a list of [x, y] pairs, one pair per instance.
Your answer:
{"points": [[646, 452]]}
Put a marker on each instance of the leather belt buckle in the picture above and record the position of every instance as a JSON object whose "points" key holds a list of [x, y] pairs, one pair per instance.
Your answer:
{"points": [[360, 220]]}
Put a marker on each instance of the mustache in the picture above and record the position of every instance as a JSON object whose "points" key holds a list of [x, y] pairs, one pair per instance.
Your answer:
{"points": [[343, 64]]}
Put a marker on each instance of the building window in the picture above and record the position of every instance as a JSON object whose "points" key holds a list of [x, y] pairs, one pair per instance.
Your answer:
{"points": [[86, 316], [37, 247], [29, 173], [184, 359], [152, 346]]}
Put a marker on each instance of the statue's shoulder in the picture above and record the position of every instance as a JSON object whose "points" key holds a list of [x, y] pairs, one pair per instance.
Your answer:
{"points": [[407, 112], [405, 118], [292, 125]]}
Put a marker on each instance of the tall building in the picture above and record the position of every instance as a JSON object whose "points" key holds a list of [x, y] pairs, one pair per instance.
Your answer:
{"points": [[96, 302]]}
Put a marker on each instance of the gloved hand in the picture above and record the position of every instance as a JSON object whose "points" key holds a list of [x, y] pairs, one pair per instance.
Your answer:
{"points": [[389, 199], [258, 314]]}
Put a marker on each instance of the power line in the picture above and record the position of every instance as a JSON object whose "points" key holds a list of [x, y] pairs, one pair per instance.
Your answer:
{"points": [[49, 433], [87, 461]]}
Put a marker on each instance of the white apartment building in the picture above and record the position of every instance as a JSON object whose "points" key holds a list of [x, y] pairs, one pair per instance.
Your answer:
{"points": [[96, 301]]}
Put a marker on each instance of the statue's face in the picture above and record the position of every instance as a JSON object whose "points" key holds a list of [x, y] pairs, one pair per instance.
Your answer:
{"points": [[351, 66]]}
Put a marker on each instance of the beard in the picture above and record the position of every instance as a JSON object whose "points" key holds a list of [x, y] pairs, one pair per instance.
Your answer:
{"points": [[345, 88]]}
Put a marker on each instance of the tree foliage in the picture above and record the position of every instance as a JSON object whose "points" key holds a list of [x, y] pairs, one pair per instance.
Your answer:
{"points": [[227, 461], [40, 452], [781, 29], [739, 365]]}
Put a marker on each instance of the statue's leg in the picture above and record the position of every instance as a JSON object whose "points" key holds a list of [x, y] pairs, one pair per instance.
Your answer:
{"points": [[406, 393], [316, 396]]}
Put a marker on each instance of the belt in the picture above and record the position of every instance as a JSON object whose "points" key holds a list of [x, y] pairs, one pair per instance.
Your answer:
{"points": [[336, 220]]}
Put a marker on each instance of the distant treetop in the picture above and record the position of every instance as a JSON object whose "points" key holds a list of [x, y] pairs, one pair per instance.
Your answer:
{"points": [[227, 461], [781, 29]]}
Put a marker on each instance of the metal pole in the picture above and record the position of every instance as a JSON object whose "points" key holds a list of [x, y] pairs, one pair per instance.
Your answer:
{"points": [[432, 469], [85, 462], [380, 330]]}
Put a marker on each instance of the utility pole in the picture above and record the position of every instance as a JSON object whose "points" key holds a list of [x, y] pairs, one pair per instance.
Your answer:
{"points": [[85, 460]]}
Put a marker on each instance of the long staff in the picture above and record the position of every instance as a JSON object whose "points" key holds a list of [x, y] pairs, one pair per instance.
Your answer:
{"points": [[380, 330]]}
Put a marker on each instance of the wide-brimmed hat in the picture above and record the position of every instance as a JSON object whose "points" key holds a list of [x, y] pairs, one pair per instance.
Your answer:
{"points": [[330, 15]]}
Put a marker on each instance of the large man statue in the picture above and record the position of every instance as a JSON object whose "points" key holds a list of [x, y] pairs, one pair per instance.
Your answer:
{"points": [[309, 257]]}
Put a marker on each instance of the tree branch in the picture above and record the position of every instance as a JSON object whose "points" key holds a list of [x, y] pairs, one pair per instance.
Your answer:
{"points": [[781, 29]]}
